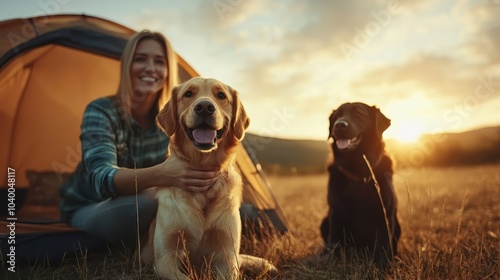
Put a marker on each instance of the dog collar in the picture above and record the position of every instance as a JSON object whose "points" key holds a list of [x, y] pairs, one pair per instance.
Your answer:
{"points": [[353, 176]]}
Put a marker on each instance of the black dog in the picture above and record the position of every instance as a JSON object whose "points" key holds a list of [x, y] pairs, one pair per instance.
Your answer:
{"points": [[356, 217]]}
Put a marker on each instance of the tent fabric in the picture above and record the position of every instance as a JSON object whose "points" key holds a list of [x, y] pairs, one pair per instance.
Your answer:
{"points": [[262, 197], [51, 67], [15, 32]]}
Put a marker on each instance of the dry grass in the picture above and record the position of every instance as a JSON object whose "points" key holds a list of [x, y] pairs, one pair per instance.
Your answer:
{"points": [[450, 220]]}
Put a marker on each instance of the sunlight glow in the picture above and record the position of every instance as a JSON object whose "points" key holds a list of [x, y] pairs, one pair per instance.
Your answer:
{"points": [[408, 131]]}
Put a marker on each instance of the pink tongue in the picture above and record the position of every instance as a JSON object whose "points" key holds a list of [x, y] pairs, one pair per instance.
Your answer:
{"points": [[343, 143], [204, 135]]}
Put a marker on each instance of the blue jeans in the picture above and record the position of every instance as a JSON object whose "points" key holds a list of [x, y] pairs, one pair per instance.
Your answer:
{"points": [[115, 219]]}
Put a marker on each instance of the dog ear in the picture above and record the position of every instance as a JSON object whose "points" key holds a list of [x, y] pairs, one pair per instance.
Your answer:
{"points": [[167, 118], [330, 128], [381, 121], [240, 121]]}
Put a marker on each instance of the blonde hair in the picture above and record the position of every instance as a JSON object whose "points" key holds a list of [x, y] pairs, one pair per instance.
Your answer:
{"points": [[125, 90]]}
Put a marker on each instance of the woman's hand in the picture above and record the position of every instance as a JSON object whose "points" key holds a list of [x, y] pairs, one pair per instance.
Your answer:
{"points": [[181, 174]]}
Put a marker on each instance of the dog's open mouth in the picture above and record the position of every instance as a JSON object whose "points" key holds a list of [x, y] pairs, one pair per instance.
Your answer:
{"points": [[204, 137], [348, 144]]}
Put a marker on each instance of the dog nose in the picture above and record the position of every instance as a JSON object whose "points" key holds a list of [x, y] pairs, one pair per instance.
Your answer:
{"points": [[204, 108], [340, 124]]}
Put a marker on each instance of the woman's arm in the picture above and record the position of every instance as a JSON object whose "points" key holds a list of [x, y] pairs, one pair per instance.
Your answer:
{"points": [[171, 172], [99, 154]]}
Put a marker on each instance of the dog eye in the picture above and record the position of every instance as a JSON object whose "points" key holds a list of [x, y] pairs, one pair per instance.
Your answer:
{"points": [[221, 95], [188, 93]]}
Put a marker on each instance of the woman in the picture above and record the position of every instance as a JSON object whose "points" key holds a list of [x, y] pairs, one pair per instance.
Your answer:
{"points": [[123, 152]]}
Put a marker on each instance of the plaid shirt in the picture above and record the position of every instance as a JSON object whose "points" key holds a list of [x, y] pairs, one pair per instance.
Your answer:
{"points": [[108, 143]]}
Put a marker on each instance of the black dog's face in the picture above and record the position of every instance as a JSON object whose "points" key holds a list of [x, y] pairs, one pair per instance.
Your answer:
{"points": [[351, 123]]}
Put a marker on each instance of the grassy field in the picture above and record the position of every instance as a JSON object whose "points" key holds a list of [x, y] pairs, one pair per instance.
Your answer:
{"points": [[450, 220]]}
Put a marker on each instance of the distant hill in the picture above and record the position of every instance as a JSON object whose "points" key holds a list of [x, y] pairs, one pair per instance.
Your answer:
{"points": [[467, 148], [286, 156]]}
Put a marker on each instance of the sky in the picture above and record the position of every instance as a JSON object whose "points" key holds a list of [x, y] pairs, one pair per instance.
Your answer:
{"points": [[430, 66]]}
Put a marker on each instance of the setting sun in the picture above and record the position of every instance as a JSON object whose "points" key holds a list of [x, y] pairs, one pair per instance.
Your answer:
{"points": [[407, 131]]}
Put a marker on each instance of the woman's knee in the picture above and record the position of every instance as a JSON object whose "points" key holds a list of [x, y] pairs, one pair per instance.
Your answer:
{"points": [[147, 206], [116, 219]]}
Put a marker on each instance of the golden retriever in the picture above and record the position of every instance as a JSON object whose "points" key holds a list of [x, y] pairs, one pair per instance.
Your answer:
{"points": [[204, 120]]}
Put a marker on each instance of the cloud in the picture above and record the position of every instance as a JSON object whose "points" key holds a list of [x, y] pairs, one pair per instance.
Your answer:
{"points": [[305, 44], [311, 56], [436, 76], [482, 22], [223, 14]]}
